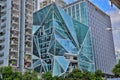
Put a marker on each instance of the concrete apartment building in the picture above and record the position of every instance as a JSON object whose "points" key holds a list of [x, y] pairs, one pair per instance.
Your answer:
{"points": [[103, 47], [35, 5], [44, 3], [15, 33]]}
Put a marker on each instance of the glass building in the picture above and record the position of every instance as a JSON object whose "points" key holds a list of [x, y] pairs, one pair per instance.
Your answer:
{"points": [[60, 43], [102, 40]]}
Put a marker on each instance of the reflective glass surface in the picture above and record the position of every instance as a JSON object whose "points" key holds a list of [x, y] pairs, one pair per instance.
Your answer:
{"points": [[57, 35]]}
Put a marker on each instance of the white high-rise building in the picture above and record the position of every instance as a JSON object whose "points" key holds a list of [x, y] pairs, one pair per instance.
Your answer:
{"points": [[117, 51], [35, 5], [103, 47], [44, 3], [16, 33]]}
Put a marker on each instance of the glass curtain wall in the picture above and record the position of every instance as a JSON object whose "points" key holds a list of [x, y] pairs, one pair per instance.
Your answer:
{"points": [[57, 35]]}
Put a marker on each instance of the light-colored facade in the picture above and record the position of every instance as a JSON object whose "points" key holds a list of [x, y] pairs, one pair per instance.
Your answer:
{"points": [[103, 47], [15, 33], [117, 52], [44, 3], [35, 5]]}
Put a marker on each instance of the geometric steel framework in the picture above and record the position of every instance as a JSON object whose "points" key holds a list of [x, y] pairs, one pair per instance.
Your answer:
{"points": [[59, 34]]}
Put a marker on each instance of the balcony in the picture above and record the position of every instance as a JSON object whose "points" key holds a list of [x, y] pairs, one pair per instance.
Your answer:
{"points": [[14, 36], [28, 28], [28, 20], [2, 30], [15, 15], [2, 40], [1, 54], [13, 63], [15, 7], [28, 58], [2, 3], [28, 40], [14, 43], [27, 33], [14, 50], [3, 10], [28, 46], [28, 52], [29, 9], [29, 3], [15, 29], [14, 22], [2, 34], [1, 62], [13, 57], [3, 23], [2, 47], [16, 2], [3, 17]]}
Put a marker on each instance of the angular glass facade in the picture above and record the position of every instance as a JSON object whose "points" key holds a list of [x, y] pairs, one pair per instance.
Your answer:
{"points": [[57, 35], [102, 40]]}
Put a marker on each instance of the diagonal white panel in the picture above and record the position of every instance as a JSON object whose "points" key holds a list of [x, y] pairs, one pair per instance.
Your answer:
{"points": [[34, 57], [37, 63]]}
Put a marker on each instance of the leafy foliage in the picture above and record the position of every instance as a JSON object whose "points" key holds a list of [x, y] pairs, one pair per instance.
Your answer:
{"points": [[47, 76], [7, 73], [76, 74], [116, 69]]}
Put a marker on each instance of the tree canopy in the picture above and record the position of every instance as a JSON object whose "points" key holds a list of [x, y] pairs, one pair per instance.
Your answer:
{"points": [[7, 73], [116, 69], [76, 74]]}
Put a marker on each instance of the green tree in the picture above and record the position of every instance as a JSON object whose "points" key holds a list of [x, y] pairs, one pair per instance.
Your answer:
{"points": [[30, 75], [16, 75], [75, 74], [88, 76], [98, 75], [6, 73], [116, 69], [47, 76]]}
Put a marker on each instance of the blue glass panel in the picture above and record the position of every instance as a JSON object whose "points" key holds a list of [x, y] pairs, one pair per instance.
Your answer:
{"points": [[58, 34], [63, 62]]}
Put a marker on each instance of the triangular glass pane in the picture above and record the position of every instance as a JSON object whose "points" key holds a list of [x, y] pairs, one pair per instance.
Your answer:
{"points": [[57, 69], [63, 62]]}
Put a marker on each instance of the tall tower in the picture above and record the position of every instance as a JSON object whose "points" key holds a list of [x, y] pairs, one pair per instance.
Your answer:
{"points": [[103, 47], [9, 33], [35, 5], [44, 3], [26, 34], [16, 33]]}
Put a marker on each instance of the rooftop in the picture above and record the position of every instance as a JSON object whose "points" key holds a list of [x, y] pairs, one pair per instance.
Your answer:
{"points": [[116, 2]]}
